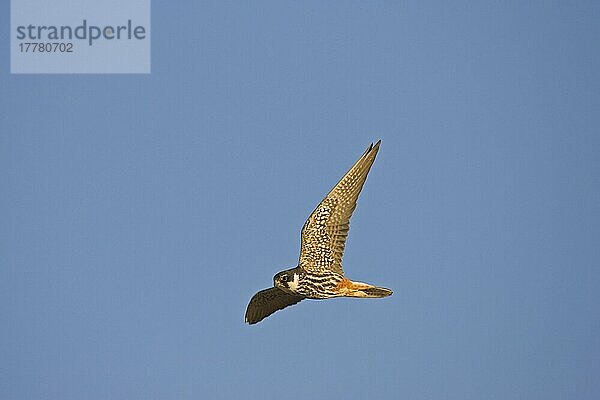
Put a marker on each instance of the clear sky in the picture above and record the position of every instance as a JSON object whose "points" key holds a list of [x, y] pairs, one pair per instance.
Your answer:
{"points": [[141, 212]]}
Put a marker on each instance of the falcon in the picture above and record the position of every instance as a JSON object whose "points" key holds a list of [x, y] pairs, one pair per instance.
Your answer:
{"points": [[319, 274]]}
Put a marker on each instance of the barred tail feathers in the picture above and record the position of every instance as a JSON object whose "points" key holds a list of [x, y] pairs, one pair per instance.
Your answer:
{"points": [[376, 292], [348, 288]]}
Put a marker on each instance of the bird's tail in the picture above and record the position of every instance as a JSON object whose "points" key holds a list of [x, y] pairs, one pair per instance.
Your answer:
{"points": [[376, 291], [363, 290]]}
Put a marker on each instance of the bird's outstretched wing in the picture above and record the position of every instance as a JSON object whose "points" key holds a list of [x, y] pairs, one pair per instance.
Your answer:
{"points": [[325, 231], [266, 302]]}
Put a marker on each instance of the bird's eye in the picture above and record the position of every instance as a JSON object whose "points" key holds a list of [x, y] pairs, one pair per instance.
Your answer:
{"points": [[284, 278]]}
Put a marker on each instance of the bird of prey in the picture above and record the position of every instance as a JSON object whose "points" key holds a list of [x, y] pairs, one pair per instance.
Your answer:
{"points": [[319, 274]]}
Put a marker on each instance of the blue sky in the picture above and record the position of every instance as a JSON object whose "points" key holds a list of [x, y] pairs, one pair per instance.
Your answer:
{"points": [[141, 212]]}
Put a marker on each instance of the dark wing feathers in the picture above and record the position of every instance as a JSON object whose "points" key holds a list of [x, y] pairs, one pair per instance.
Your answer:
{"points": [[266, 302], [325, 231]]}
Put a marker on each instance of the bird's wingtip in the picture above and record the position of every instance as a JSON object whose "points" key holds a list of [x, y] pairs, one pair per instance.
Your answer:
{"points": [[373, 146]]}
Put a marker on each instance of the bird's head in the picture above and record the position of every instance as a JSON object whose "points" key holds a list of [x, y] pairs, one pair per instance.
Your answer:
{"points": [[287, 280]]}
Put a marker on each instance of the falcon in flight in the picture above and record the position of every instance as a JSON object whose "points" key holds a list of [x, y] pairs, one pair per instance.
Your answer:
{"points": [[319, 274]]}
